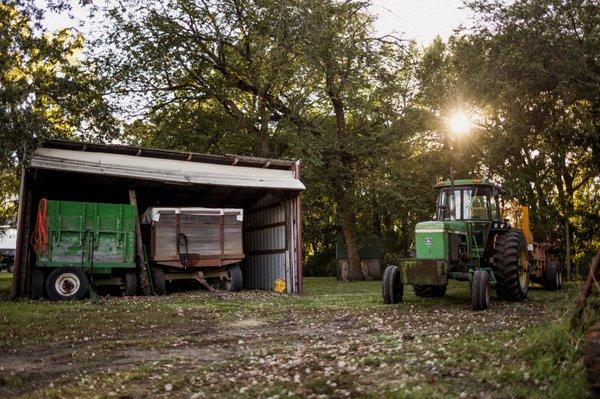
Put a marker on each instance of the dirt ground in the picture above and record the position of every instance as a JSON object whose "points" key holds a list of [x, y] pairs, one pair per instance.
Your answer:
{"points": [[338, 340]]}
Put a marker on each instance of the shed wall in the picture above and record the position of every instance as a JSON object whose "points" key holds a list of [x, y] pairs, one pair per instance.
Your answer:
{"points": [[265, 245]]}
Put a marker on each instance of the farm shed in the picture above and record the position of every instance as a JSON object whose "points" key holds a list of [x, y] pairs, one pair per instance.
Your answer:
{"points": [[267, 190]]}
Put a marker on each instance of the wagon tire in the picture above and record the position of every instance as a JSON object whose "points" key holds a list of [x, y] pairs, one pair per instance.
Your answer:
{"points": [[392, 288], [234, 280], [131, 284], [37, 284], [552, 276], [158, 278], [429, 291], [480, 290], [11, 267], [511, 266], [67, 283]]}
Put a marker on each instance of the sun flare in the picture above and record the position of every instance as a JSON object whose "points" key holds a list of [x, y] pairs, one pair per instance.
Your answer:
{"points": [[460, 122]]}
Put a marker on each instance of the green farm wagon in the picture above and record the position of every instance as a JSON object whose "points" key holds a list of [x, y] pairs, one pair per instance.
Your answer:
{"points": [[84, 241]]}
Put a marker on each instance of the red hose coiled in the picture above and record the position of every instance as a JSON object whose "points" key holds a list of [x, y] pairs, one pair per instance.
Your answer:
{"points": [[39, 237]]}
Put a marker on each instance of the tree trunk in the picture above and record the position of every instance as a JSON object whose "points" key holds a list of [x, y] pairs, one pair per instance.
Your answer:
{"points": [[568, 249], [263, 131], [345, 180], [348, 219]]}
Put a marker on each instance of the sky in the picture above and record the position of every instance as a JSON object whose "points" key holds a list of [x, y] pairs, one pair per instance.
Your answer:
{"points": [[420, 20]]}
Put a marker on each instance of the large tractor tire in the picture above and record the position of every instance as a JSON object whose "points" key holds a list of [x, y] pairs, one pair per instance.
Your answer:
{"points": [[511, 266], [480, 290], [552, 276], [429, 291], [392, 288]]}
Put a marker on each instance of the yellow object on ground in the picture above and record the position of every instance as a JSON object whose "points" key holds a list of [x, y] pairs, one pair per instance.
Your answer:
{"points": [[279, 285]]}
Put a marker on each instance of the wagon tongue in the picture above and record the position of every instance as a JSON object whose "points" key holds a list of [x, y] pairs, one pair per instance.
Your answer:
{"points": [[200, 278]]}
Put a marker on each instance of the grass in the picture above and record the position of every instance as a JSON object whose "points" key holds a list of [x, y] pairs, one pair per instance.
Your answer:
{"points": [[338, 339]]}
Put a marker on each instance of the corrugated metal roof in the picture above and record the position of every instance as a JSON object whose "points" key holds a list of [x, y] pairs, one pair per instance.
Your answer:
{"points": [[239, 160], [147, 167]]}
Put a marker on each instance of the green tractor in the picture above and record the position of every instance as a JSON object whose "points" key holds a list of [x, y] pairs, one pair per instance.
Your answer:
{"points": [[468, 241]]}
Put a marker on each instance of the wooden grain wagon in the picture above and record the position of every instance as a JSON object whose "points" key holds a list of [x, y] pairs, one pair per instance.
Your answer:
{"points": [[184, 241]]}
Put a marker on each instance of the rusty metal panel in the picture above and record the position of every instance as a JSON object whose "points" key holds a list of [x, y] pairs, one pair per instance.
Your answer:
{"points": [[423, 272]]}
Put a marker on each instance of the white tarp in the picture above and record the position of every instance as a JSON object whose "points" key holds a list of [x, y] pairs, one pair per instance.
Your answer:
{"points": [[168, 170]]}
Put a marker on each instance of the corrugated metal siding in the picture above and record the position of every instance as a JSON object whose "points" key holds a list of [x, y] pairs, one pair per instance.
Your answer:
{"points": [[261, 270]]}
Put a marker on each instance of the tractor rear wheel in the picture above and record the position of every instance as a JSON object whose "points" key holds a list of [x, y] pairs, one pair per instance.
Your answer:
{"points": [[429, 291], [480, 290], [391, 285], [511, 266], [552, 276]]}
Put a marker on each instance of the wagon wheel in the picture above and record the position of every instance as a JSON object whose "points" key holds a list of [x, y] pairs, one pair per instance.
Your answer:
{"points": [[67, 283], [234, 280], [158, 277], [131, 284]]}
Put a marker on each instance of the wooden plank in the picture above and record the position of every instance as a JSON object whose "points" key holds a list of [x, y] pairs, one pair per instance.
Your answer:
{"points": [[145, 279]]}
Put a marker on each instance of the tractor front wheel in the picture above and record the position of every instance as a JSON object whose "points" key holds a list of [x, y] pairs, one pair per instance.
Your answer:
{"points": [[429, 291], [480, 290], [391, 285], [511, 266]]}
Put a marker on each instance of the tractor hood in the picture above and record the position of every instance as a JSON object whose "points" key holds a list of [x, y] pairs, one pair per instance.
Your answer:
{"points": [[449, 226], [432, 238]]}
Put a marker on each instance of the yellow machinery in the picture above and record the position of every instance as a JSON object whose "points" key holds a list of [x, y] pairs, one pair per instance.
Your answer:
{"points": [[545, 269]]}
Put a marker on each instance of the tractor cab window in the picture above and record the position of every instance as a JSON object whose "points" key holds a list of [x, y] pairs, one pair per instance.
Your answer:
{"points": [[444, 207], [476, 205]]}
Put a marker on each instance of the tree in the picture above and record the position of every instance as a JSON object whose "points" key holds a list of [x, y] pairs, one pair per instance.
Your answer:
{"points": [[301, 78], [46, 90], [531, 66]]}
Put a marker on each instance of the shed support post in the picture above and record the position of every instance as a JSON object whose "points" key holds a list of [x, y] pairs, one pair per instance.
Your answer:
{"points": [[145, 279], [21, 271]]}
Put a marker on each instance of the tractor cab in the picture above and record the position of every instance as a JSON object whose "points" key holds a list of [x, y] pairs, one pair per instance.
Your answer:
{"points": [[475, 202], [471, 199]]}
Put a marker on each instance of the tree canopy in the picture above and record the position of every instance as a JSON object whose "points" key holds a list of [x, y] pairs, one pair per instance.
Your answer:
{"points": [[311, 80]]}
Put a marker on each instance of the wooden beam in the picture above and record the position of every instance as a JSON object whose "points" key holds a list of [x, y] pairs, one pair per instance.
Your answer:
{"points": [[145, 278]]}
